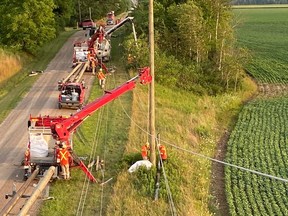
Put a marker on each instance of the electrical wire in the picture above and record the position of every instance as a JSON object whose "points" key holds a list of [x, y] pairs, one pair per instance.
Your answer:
{"points": [[169, 193], [104, 158], [207, 157], [86, 181], [93, 153]]}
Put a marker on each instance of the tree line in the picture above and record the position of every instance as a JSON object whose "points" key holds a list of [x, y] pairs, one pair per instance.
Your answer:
{"points": [[28, 24], [195, 48], [195, 45], [256, 2]]}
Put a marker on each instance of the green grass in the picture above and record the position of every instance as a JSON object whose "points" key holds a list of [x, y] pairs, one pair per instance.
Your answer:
{"points": [[14, 89], [264, 32]]}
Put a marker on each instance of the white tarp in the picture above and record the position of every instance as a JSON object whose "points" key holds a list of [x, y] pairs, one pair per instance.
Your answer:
{"points": [[135, 166], [38, 146]]}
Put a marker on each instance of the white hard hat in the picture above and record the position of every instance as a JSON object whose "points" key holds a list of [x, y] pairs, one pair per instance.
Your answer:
{"points": [[64, 145]]}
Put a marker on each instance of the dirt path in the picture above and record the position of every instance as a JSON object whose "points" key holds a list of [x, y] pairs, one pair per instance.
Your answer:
{"points": [[41, 99]]}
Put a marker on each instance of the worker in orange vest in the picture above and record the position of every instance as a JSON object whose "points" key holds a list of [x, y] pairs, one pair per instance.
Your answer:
{"points": [[101, 78], [89, 55], [144, 151], [93, 65], [163, 153], [63, 159], [130, 59]]}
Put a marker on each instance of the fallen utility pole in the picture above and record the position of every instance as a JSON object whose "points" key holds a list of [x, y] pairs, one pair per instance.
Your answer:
{"points": [[42, 184], [9, 206]]}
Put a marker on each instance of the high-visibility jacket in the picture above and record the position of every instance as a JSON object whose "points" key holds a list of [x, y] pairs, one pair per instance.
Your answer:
{"points": [[144, 151], [100, 75], [64, 156], [93, 63], [163, 152], [89, 55]]}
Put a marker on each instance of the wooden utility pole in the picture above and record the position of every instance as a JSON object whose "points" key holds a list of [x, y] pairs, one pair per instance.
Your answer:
{"points": [[79, 8], [90, 12], [152, 92]]}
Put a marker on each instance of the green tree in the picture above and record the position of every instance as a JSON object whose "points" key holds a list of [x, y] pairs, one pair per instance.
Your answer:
{"points": [[197, 35], [28, 24], [64, 10]]}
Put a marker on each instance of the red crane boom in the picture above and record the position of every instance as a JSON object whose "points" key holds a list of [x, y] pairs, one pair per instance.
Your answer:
{"points": [[62, 130]]}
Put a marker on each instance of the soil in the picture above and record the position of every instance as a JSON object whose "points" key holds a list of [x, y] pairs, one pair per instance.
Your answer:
{"points": [[217, 189], [41, 99]]}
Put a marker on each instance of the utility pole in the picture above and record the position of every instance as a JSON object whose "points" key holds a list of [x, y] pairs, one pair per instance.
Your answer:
{"points": [[90, 12], [79, 8], [152, 92]]}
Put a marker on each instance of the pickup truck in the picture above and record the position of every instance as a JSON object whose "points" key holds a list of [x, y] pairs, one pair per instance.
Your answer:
{"points": [[72, 95], [87, 23]]}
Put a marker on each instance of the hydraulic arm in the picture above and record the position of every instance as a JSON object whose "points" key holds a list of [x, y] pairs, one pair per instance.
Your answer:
{"points": [[62, 130]]}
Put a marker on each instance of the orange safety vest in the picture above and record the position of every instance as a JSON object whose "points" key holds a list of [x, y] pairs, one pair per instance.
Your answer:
{"points": [[100, 75], [163, 152], [144, 151], [93, 63], [64, 156]]}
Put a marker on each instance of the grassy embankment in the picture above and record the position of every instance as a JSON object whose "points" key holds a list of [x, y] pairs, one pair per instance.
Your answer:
{"points": [[190, 122], [18, 83], [258, 141], [10, 64]]}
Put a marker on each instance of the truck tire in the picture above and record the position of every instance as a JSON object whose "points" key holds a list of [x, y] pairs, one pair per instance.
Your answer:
{"points": [[59, 105]]}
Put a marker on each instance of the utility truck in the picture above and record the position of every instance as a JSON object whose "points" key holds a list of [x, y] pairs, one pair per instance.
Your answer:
{"points": [[87, 23], [72, 88], [46, 131]]}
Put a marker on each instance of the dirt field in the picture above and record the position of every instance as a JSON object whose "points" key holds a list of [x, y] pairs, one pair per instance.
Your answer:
{"points": [[41, 99]]}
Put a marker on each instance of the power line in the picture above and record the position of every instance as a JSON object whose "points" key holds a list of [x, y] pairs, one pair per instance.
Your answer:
{"points": [[207, 157], [169, 193]]}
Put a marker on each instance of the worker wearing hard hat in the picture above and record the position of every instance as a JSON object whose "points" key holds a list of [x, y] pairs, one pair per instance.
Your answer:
{"points": [[64, 158], [101, 78], [163, 155], [163, 152], [144, 151]]}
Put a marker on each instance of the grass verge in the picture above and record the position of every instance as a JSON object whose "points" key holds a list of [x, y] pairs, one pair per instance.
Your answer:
{"points": [[12, 90]]}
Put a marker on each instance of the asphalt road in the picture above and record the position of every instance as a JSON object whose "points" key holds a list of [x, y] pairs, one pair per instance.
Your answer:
{"points": [[41, 99]]}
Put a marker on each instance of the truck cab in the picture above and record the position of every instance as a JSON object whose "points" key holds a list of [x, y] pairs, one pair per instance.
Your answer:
{"points": [[72, 95], [110, 18], [87, 23]]}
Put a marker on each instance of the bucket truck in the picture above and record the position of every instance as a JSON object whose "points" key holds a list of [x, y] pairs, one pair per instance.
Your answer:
{"points": [[46, 131]]}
